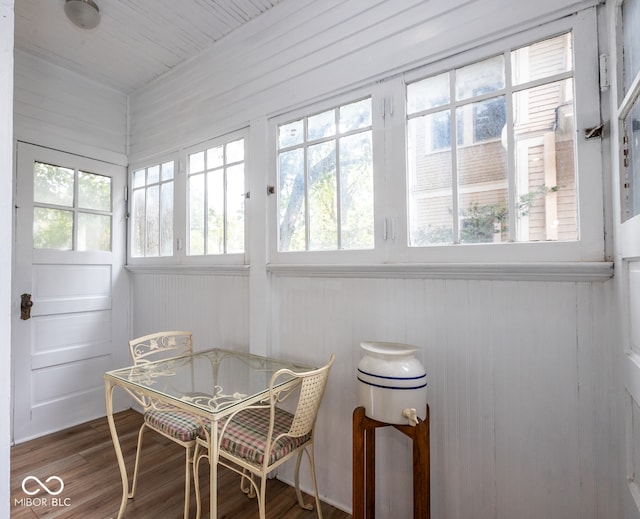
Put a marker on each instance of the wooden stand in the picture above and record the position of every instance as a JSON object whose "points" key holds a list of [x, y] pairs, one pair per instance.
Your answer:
{"points": [[364, 465]]}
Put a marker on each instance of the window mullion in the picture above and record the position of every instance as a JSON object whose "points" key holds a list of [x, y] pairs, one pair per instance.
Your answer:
{"points": [[455, 202], [511, 155]]}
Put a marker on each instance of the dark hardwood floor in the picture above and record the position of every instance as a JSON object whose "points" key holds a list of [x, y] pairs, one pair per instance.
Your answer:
{"points": [[84, 459]]}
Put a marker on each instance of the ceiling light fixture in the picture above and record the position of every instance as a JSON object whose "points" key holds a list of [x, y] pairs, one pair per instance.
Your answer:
{"points": [[83, 13]]}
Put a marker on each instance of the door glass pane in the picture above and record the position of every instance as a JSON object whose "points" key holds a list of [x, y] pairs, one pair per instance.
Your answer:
{"points": [[52, 228], [94, 232], [53, 185], [94, 191]]}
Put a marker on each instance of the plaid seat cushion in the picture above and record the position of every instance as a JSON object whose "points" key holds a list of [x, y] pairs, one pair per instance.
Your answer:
{"points": [[246, 435], [173, 422]]}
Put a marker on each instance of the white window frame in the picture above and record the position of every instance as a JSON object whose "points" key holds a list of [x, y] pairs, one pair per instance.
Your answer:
{"points": [[390, 178], [216, 259], [181, 211], [326, 256], [590, 245], [153, 260]]}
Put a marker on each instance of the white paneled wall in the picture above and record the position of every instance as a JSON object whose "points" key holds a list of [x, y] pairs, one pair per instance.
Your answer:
{"points": [[214, 308], [520, 374], [59, 109]]}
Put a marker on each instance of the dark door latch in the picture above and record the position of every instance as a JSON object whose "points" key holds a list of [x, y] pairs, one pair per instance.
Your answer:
{"points": [[25, 306]]}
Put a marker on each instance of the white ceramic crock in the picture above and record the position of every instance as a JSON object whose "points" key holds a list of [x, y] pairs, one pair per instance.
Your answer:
{"points": [[390, 380]]}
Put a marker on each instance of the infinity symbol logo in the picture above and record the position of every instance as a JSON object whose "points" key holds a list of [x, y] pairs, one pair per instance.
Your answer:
{"points": [[42, 485]]}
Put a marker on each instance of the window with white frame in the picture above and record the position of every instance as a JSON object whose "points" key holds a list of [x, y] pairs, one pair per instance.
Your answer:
{"points": [[216, 198], [325, 180], [494, 178], [151, 216], [484, 148]]}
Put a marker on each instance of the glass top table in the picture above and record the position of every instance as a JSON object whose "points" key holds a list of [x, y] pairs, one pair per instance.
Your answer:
{"points": [[210, 384]]}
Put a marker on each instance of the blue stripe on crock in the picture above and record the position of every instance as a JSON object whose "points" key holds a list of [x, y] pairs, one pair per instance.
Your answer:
{"points": [[391, 387], [391, 378]]}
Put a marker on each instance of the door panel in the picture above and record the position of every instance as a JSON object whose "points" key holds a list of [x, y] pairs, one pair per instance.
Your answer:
{"points": [[72, 338]]}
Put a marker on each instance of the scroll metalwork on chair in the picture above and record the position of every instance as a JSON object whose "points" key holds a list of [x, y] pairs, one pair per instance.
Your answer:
{"points": [[175, 424], [255, 440]]}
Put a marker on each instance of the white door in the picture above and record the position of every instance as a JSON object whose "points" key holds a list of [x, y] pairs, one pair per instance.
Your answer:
{"points": [[69, 256], [626, 136]]}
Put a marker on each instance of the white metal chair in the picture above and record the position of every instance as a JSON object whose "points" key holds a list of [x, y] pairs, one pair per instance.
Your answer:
{"points": [[175, 424], [257, 439]]}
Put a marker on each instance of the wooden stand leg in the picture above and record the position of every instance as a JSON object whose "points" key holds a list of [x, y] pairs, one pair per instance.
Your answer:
{"points": [[358, 463], [364, 460]]}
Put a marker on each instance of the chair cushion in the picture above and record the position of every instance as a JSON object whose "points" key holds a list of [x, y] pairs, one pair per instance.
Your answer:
{"points": [[246, 434], [173, 422]]}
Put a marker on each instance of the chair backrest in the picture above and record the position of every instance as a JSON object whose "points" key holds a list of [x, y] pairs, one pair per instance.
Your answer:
{"points": [[161, 345], [312, 385]]}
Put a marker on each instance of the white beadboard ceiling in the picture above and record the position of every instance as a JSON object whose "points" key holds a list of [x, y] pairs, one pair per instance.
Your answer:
{"points": [[136, 40]]}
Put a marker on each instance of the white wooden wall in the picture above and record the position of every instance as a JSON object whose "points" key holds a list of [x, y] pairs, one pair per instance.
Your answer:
{"points": [[59, 109], [521, 378], [6, 169]]}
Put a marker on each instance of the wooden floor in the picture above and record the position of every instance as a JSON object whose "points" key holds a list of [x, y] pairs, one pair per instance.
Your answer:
{"points": [[84, 459]]}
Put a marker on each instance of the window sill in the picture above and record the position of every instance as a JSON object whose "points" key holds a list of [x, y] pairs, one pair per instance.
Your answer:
{"points": [[191, 270], [557, 271]]}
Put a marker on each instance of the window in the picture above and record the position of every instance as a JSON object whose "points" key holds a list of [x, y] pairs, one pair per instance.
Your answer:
{"points": [[152, 210], [216, 195], [72, 209], [630, 110], [325, 180], [503, 180]]}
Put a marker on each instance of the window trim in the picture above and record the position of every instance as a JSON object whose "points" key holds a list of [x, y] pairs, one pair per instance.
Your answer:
{"points": [[179, 262], [226, 258], [590, 245]]}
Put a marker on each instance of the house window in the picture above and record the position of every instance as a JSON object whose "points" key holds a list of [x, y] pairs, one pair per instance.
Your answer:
{"points": [[152, 210], [630, 110], [508, 178], [72, 209], [325, 180], [216, 198]]}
